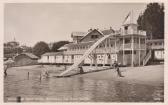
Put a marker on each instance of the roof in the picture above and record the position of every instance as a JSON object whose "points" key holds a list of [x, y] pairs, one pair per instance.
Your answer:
{"points": [[130, 24], [52, 53], [64, 47], [80, 44], [107, 31], [31, 55], [91, 32], [78, 33]]}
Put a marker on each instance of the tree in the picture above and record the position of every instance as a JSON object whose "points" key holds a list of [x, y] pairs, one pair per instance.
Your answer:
{"points": [[152, 20], [40, 48], [57, 45]]}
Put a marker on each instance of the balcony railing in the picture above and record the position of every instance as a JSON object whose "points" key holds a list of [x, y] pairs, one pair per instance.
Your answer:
{"points": [[139, 32]]}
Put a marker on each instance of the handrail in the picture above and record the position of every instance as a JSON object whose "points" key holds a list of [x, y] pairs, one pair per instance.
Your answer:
{"points": [[146, 59]]}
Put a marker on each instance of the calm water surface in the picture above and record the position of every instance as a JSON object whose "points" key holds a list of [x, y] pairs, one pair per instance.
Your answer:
{"points": [[75, 89]]}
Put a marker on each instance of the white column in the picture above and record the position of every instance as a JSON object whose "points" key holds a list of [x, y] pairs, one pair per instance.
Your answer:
{"points": [[139, 52], [132, 64], [115, 44], [145, 45], [109, 40], [123, 52]]}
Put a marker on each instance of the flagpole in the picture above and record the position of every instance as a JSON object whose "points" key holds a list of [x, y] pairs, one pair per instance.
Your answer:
{"points": [[131, 17]]}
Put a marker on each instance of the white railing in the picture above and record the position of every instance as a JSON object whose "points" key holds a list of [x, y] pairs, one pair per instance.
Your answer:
{"points": [[138, 32], [147, 57]]}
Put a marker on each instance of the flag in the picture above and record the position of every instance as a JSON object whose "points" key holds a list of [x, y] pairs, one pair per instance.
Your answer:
{"points": [[127, 18]]}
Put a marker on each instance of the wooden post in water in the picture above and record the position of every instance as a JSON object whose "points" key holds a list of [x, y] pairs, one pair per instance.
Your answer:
{"points": [[27, 75], [40, 77]]}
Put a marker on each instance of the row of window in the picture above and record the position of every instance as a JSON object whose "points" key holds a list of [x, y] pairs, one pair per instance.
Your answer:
{"points": [[136, 40], [77, 47], [127, 40], [156, 43]]}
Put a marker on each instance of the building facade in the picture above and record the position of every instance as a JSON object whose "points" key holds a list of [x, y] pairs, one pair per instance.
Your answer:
{"points": [[156, 47], [126, 46]]}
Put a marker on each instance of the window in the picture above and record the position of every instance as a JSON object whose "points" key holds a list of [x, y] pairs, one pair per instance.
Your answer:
{"points": [[94, 36], [109, 56], [126, 27], [142, 40], [136, 40], [127, 40]]}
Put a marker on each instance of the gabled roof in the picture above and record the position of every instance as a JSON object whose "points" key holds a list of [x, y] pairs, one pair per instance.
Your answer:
{"points": [[91, 32], [108, 31]]}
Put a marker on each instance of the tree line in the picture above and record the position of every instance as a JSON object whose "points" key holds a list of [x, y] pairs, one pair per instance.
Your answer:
{"points": [[42, 47], [152, 21], [38, 49]]}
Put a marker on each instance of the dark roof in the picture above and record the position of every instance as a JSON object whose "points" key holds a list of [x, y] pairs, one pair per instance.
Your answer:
{"points": [[52, 53], [107, 31], [31, 55]]}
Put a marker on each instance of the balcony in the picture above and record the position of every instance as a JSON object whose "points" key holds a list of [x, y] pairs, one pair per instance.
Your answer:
{"points": [[139, 32], [129, 46]]}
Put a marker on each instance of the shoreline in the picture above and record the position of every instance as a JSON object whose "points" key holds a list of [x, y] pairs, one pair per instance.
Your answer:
{"points": [[152, 75]]}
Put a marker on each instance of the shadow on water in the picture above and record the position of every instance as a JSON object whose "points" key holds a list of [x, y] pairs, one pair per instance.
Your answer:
{"points": [[79, 89]]}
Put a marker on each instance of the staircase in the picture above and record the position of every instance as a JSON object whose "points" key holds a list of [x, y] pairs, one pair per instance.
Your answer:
{"points": [[86, 54], [147, 57]]}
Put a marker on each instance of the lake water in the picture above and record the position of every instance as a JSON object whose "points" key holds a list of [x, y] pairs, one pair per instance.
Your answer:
{"points": [[75, 89]]}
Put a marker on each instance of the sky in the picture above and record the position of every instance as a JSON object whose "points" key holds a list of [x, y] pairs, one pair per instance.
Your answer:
{"points": [[30, 23]]}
